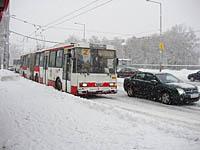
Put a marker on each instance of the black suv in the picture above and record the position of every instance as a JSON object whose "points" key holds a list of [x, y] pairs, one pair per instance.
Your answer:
{"points": [[162, 87], [194, 76]]}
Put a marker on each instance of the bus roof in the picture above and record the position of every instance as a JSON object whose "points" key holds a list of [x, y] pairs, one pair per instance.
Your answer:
{"points": [[71, 45], [84, 45]]}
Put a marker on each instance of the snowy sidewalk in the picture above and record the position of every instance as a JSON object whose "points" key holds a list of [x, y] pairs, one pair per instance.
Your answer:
{"points": [[37, 117]]}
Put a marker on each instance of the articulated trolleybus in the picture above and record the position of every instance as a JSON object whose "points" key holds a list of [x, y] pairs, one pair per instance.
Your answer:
{"points": [[79, 69]]}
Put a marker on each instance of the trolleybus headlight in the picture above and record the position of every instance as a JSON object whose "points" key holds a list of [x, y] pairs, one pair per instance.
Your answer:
{"points": [[83, 84], [112, 84]]}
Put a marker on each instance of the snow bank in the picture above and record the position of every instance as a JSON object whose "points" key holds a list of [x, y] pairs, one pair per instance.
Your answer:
{"points": [[6, 75], [34, 116]]}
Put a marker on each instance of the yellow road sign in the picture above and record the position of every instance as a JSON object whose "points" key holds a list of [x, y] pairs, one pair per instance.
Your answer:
{"points": [[161, 46]]}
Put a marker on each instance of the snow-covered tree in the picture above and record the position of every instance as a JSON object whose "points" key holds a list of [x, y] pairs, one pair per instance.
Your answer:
{"points": [[15, 52], [72, 39], [180, 44], [94, 39]]}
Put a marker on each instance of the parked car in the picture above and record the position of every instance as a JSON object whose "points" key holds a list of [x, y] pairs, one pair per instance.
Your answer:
{"points": [[16, 65], [126, 72], [194, 76], [11, 68], [162, 87]]}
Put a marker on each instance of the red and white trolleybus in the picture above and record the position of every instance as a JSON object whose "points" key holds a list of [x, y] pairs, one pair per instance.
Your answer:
{"points": [[79, 69]]}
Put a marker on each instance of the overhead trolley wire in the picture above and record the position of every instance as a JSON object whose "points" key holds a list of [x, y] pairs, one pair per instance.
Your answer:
{"points": [[42, 26], [72, 12], [24, 21], [102, 4], [103, 32], [33, 37], [64, 28]]}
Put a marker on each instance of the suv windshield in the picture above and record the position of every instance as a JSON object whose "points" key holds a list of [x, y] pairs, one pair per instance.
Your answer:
{"points": [[167, 78], [95, 60]]}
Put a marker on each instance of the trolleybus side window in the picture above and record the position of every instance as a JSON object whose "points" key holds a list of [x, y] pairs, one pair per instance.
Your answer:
{"points": [[52, 59], [37, 61], [41, 59], [59, 58], [27, 61], [46, 61], [24, 61]]}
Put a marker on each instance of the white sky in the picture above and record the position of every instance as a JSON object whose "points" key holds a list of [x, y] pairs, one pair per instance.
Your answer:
{"points": [[136, 17]]}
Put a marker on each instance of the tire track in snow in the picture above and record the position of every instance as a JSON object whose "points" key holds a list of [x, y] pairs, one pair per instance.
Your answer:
{"points": [[173, 123]]}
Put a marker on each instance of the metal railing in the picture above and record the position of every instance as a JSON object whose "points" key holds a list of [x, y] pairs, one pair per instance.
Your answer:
{"points": [[165, 66]]}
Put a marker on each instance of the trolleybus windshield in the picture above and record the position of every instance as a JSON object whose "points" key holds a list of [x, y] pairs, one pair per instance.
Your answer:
{"points": [[95, 61]]}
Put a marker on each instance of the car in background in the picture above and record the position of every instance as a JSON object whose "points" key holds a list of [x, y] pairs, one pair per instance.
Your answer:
{"points": [[126, 72], [194, 76], [11, 68], [17, 65], [163, 87]]}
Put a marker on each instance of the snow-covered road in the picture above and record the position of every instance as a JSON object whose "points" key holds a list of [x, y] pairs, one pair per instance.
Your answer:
{"points": [[186, 116], [34, 116]]}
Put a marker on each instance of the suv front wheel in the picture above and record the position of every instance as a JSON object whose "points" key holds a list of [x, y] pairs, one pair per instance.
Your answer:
{"points": [[130, 91], [165, 98]]}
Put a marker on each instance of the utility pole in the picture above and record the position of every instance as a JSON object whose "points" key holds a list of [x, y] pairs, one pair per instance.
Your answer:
{"points": [[161, 45]]}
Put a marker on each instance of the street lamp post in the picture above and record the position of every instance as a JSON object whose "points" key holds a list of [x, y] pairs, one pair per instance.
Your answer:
{"points": [[123, 49], [83, 29], [161, 51]]}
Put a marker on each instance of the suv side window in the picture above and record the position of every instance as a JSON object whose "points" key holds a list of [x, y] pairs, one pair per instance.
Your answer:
{"points": [[140, 76], [149, 77]]}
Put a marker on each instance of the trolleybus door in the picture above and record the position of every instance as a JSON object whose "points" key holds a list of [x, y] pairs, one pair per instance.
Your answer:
{"points": [[46, 69], [67, 72]]}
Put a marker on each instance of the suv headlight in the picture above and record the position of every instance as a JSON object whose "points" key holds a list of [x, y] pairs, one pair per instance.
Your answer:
{"points": [[180, 91]]}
